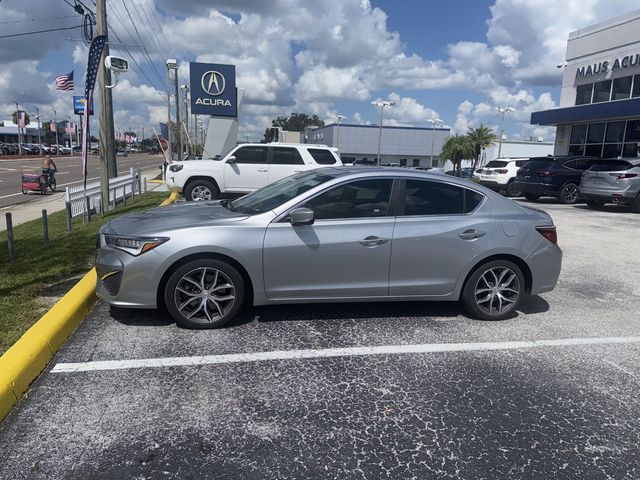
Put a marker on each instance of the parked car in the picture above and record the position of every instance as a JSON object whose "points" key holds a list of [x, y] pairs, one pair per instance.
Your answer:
{"points": [[364, 162], [552, 176], [326, 235], [466, 172], [122, 152], [246, 168], [612, 181], [500, 175]]}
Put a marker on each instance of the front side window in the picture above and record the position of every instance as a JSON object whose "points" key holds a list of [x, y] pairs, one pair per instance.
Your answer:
{"points": [[256, 155], [358, 199], [423, 197], [286, 156], [322, 156]]}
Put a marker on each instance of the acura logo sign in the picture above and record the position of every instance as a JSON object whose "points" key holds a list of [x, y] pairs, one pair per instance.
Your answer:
{"points": [[213, 83]]}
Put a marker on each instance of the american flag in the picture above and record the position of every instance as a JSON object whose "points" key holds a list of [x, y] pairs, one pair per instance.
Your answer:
{"points": [[65, 82], [70, 128], [53, 127], [95, 53]]}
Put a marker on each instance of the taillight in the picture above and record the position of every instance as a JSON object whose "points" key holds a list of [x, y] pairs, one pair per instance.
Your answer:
{"points": [[502, 170], [549, 233], [622, 176], [546, 174]]}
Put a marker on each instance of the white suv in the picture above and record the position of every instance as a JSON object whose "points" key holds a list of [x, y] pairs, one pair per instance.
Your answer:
{"points": [[246, 168], [499, 174]]}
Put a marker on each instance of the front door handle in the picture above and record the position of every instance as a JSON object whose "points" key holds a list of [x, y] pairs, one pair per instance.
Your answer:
{"points": [[262, 170], [471, 234], [373, 241]]}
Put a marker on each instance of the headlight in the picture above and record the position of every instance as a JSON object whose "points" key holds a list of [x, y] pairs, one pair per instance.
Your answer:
{"points": [[134, 245], [176, 168]]}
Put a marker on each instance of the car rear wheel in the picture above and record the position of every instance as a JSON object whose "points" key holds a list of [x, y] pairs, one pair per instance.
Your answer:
{"points": [[635, 206], [201, 190], [531, 197], [569, 194], [594, 204], [494, 290], [204, 293], [512, 190]]}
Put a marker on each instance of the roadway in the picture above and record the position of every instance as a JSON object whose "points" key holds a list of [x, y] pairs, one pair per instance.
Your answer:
{"points": [[69, 171]]}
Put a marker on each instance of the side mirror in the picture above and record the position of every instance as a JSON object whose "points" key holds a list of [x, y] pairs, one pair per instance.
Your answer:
{"points": [[301, 216], [231, 159]]}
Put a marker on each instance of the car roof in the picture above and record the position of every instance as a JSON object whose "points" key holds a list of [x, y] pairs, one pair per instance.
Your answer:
{"points": [[634, 160], [281, 144]]}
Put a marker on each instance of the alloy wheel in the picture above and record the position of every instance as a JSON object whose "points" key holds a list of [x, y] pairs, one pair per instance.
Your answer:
{"points": [[570, 193], [497, 290], [200, 192], [204, 295]]}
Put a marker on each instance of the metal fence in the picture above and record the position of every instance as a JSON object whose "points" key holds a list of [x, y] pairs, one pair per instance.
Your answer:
{"points": [[119, 189]]}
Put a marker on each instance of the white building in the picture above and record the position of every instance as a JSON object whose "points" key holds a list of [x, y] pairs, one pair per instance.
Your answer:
{"points": [[599, 112]]}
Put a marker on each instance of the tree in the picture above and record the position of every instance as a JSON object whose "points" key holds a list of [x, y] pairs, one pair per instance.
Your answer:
{"points": [[456, 149], [296, 122], [481, 137], [14, 117]]}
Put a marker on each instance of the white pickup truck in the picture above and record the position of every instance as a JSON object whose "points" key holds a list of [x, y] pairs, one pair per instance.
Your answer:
{"points": [[246, 168]]}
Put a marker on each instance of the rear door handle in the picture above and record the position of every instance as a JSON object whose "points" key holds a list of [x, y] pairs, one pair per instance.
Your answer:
{"points": [[262, 170], [471, 234], [372, 241]]}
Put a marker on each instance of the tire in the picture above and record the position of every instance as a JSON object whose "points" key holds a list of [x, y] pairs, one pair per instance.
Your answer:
{"points": [[208, 308], [635, 205], [594, 204], [201, 190], [484, 278], [52, 184], [512, 190], [531, 197], [24, 191], [569, 194]]}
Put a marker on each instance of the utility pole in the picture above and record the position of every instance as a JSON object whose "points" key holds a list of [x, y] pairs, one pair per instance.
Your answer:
{"points": [[108, 167], [179, 135], [39, 130], [436, 123], [55, 121], [185, 92], [18, 123]]}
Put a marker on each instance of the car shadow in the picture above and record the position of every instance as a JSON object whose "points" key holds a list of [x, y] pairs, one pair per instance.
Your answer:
{"points": [[606, 208], [531, 304]]}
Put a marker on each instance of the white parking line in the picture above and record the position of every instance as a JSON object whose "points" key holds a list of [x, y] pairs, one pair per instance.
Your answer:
{"points": [[331, 352]]}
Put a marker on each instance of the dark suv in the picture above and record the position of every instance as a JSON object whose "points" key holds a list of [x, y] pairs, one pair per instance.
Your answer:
{"points": [[552, 177]]}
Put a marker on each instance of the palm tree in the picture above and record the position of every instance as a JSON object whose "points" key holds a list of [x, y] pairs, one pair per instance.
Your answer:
{"points": [[482, 137], [456, 149], [14, 117]]}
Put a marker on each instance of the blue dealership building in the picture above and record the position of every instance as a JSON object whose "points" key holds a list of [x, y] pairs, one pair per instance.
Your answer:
{"points": [[599, 112]]}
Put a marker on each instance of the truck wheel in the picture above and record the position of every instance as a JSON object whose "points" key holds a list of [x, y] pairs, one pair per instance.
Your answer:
{"points": [[512, 190], [201, 190]]}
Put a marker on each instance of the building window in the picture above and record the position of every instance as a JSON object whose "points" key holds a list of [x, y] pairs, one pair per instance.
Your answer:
{"points": [[583, 94], [595, 133], [602, 91], [416, 162], [636, 86], [403, 162], [605, 140], [621, 88], [578, 134]]}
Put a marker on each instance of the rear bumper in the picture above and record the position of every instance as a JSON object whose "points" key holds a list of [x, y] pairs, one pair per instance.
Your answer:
{"points": [[607, 198], [541, 189], [545, 264], [493, 184]]}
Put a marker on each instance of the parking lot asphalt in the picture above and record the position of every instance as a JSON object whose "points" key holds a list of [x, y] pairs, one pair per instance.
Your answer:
{"points": [[357, 390]]}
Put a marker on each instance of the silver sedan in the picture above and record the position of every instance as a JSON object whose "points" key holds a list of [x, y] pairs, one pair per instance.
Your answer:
{"points": [[331, 235]]}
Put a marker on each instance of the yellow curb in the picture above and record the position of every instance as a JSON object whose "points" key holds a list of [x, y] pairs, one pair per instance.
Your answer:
{"points": [[155, 181], [29, 356]]}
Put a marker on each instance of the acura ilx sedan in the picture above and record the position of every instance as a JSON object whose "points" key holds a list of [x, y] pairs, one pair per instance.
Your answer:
{"points": [[347, 234]]}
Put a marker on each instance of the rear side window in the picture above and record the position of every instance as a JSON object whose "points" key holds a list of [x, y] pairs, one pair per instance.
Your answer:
{"points": [[287, 156], [521, 163], [322, 156], [435, 198], [611, 166], [496, 164], [251, 155]]}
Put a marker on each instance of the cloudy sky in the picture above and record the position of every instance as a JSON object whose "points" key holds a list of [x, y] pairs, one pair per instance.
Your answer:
{"points": [[456, 60]]}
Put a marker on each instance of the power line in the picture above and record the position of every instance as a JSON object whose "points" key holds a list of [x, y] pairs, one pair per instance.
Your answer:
{"points": [[152, 35], [38, 19], [39, 31], [155, 16]]}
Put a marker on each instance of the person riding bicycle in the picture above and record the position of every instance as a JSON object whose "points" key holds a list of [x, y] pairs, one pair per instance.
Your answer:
{"points": [[48, 167]]}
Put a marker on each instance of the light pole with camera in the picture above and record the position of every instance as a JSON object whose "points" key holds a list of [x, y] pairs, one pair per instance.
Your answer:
{"points": [[381, 104]]}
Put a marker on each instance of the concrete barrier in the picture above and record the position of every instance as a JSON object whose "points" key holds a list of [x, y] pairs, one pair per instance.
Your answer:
{"points": [[29, 356]]}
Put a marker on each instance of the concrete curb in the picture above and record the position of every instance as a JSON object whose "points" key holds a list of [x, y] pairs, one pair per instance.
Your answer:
{"points": [[29, 356]]}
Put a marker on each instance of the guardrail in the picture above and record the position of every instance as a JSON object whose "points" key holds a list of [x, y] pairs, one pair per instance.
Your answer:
{"points": [[119, 189]]}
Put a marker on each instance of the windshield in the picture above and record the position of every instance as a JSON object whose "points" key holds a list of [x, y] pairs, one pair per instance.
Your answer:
{"points": [[496, 164], [273, 195]]}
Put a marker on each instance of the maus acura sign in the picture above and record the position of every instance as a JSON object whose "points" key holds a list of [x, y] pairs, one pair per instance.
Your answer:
{"points": [[628, 61], [213, 89]]}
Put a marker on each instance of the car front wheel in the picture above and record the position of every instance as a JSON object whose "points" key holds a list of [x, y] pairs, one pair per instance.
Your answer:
{"points": [[201, 190], [569, 194], [494, 290], [204, 293]]}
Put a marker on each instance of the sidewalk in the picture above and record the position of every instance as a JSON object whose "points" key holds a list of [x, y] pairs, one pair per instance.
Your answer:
{"points": [[55, 202]]}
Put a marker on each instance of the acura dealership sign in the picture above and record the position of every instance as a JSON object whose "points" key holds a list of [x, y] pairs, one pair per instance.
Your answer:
{"points": [[628, 61], [213, 89]]}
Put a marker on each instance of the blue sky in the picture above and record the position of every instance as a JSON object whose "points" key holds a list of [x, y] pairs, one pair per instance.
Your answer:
{"points": [[456, 60]]}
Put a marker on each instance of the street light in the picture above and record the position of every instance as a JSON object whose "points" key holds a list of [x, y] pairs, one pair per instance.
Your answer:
{"points": [[185, 96], [38, 117], [503, 111], [435, 124], [339, 117], [381, 104]]}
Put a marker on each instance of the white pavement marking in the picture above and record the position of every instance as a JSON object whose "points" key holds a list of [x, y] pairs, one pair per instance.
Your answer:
{"points": [[332, 352]]}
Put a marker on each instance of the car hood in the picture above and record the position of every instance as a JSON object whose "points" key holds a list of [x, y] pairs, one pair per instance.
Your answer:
{"points": [[170, 217]]}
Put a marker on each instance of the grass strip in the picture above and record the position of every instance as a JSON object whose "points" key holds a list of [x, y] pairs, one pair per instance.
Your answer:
{"points": [[41, 272]]}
